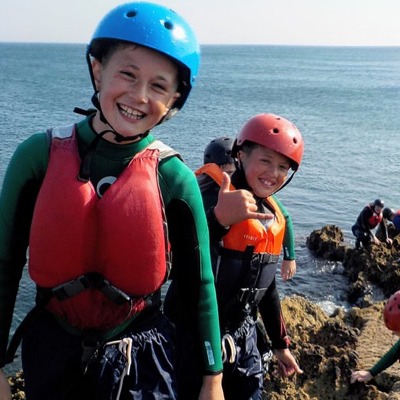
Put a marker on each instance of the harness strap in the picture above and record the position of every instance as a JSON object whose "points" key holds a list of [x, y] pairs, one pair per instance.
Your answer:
{"points": [[262, 258], [27, 321], [248, 295]]}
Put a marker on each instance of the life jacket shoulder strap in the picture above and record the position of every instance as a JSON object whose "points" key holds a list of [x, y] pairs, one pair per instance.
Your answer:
{"points": [[214, 172], [164, 150]]}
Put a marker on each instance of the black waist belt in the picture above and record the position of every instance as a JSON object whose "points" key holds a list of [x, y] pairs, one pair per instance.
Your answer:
{"points": [[263, 258], [91, 280]]}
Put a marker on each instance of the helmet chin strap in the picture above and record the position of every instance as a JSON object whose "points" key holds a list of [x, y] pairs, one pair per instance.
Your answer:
{"points": [[84, 171], [118, 137]]}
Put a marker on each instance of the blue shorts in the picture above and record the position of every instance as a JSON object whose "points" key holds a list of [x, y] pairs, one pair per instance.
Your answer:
{"points": [[51, 361], [243, 379]]}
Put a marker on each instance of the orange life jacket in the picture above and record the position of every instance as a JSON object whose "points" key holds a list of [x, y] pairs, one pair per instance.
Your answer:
{"points": [[121, 235], [246, 263], [251, 232]]}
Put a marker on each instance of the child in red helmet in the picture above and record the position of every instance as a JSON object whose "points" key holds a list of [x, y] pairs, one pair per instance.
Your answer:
{"points": [[248, 226], [391, 316]]}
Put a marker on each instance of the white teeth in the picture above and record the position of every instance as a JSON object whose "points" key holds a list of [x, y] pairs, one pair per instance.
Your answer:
{"points": [[130, 112], [267, 183]]}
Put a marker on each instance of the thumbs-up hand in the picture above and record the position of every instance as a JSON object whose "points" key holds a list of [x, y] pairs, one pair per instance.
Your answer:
{"points": [[234, 206]]}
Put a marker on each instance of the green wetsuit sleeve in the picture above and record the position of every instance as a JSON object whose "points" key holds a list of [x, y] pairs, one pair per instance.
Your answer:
{"points": [[189, 238], [288, 240], [387, 360], [21, 185]]}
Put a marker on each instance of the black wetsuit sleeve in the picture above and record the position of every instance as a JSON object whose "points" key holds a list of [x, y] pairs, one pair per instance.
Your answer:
{"points": [[271, 313], [383, 229]]}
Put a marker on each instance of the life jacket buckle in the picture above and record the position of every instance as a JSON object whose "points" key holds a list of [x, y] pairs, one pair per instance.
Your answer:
{"points": [[91, 280]]}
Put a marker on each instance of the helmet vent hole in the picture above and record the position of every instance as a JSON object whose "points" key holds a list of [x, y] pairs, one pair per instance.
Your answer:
{"points": [[398, 306], [295, 140], [131, 14], [275, 130], [168, 25], [390, 308]]}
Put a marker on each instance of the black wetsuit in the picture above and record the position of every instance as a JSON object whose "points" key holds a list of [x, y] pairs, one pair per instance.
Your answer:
{"points": [[366, 221]]}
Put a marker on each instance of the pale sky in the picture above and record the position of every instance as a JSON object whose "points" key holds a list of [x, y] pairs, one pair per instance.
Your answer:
{"points": [[281, 22]]}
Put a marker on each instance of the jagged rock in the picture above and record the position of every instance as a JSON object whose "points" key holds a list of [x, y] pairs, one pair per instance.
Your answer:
{"points": [[377, 264], [329, 349], [17, 385], [327, 242]]}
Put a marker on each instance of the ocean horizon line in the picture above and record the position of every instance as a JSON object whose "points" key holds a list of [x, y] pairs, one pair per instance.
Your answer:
{"points": [[341, 46]]}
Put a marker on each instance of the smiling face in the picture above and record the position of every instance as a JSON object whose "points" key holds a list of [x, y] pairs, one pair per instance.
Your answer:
{"points": [[265, 169], [137, 87]]}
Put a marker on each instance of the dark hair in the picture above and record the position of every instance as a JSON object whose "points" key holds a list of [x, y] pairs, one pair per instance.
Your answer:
{"points": [[103, 49], [248, 147]]}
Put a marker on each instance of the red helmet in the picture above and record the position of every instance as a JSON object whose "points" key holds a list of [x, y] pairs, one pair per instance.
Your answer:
{"points": [[391, 312], [274, 132]]}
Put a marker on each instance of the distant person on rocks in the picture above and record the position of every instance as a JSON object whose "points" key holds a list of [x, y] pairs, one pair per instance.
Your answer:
{"points": [[392, 216], [219, 151], [391, 317], [248, 228], [369, 218]]}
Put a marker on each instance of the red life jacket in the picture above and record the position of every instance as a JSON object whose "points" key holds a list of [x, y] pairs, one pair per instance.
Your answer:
{"points": [[121, 235], [375, 219], [251, 232]]}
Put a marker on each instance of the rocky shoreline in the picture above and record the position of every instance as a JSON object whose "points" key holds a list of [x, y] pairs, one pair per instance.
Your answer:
{"points": [[329, 348]]}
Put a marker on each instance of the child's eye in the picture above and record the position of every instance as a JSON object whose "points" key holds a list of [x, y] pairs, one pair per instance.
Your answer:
{"points": [[128, 74], [160, 87]]}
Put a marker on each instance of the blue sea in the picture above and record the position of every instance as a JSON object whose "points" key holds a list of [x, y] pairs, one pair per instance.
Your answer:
{"points": [[344, 100]]}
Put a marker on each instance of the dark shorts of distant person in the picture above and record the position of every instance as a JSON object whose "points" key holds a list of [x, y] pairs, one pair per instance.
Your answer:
{"points": [[361, 235]]}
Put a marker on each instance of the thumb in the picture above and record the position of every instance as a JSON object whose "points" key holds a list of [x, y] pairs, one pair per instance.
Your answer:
{"points": [[226, 182]]}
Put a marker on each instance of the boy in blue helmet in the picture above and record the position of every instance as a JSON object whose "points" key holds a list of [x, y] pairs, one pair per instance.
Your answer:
{"points": [[102, 205]]}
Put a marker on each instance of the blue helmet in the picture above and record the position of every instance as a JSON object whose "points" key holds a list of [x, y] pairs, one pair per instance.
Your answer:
{"points": [[159, 28]]}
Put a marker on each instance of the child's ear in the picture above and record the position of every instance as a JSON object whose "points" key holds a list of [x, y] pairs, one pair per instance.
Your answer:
{"points": [[97, 69], [240, 154], [173, 99]]}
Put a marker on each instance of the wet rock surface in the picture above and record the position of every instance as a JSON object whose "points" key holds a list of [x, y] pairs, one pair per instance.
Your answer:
{"points": [[376, 264], [329, 348], [17, 385]]}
